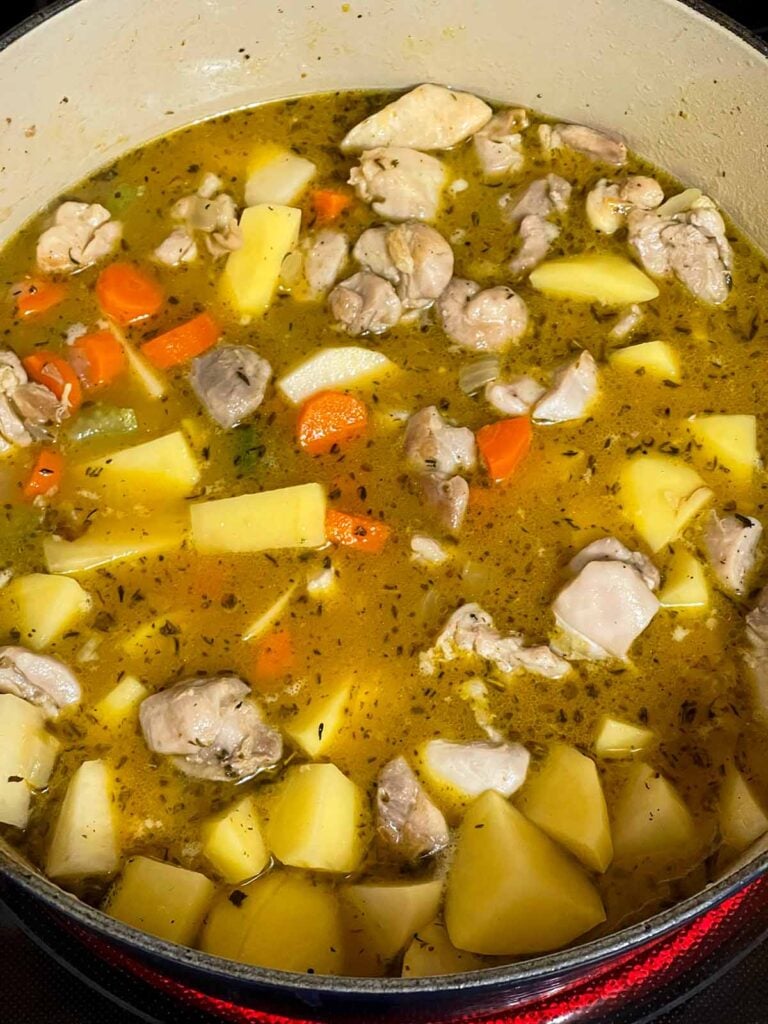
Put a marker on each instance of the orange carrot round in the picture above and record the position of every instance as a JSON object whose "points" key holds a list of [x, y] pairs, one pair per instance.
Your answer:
{"points": [[98, 358], [353, 531], [36, 295], [329, 204], [56, 374], [45, 475], [329, 418], [275, 656], [183, 342], [128, 294], [503, 445]]}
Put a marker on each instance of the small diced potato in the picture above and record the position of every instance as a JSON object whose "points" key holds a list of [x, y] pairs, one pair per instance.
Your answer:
{"points": [[291, 517], [269, 618], [611, 280], [565, 799], [22, 746], [732, 440], [650, 818], [151, 640], [686, 584], [431, 952], [276, 175], [162, 899], [317, 724], [233, 842], [85, 836], [319, 820], [656, 358], [322, 584], [251, 273], [164, 469], [118, 540], [617, 740], [43, 751], [382, 920], [333, 368], [742, 818], [43, 607], [283, 920], [660, 494], [121, 704], [511, 889]]}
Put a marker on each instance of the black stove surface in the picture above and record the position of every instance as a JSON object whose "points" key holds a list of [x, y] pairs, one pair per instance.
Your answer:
{"points": [[740, 995]]}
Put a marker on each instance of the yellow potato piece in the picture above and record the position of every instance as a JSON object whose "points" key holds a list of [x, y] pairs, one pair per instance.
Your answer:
{"points": [[276, 175], [611, 280], [617, 740], [742, 818], [660, 494], [382, 920], [23, 744], [157, 471], [331, 368], [160, 898], [317, 724], [319, 820], [233, 842], [650, 818], [290, 517], [431, 952], [120, 706], [117, 540], [251, 273], [686, 584], [85, 835], [511, 889], [656, 358], [284, 920], [565, 799], [731, 440], [42, 607]]}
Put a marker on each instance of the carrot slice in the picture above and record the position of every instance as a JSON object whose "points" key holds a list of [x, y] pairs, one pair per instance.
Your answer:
{"points": [[329, 204], [503, 445], [55, 373], [45, 475], [353, 531], [98, 358], [275, 655], [127, 294], [36, 295], [182, 342], [329, 418]]}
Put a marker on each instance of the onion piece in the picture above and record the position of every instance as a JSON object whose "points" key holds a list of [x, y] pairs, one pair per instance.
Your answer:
{"points": [[475, 375]]}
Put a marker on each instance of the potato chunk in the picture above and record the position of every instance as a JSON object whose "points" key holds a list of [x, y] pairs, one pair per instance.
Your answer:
{"points": [[660, 494], [117, 540], [290, 517], [43, 607], [617, 740], [511, 889], [650, 818], [589, 277], [317, 724], [333, 368], [27, 755], [656, 358], [160, 898], [431, 952], [319, 820], [276, 175], [161, 470], [565, 799], [85, 836], [742, 818], [233, 842], [732, 440], [382, 920], [120, 706], [251, 273], [283, 920], [686, 584]]}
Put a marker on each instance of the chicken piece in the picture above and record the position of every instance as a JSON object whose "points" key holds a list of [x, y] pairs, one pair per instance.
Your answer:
{"points": [[427, 551], [81, 234], [627, 322], [537, 236], [514, 397], [607, 606], [470, 630], [230, 381], [407, 820], [179, 247], [215, 217], [609, 549], [38, 679], [365, 304], [731, 547], [316, 265], [12, 429], [573, 390], [499, 144], [487, 320], [39, 408], [427, 117], [449, 496], [400, 184], [413, 257], [433, 445], [604, 147], [608, 204], [26, 409], [542, 198], [212, 728], [689, 244], [477, 767]]}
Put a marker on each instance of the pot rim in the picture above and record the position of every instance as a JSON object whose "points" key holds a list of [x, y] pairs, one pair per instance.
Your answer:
{"points": [[522, 972]]}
